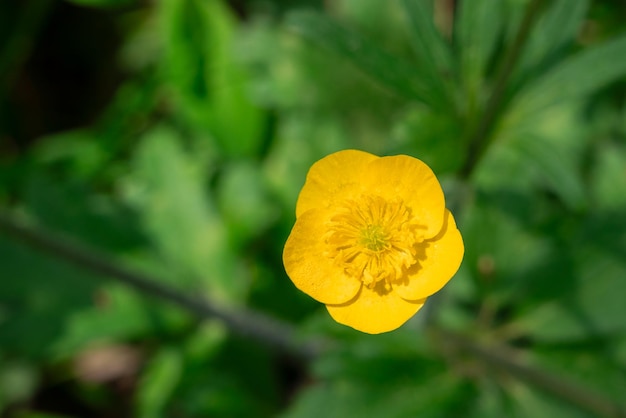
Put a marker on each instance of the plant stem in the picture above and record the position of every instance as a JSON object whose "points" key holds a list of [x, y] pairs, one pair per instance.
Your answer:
{"points": [[481, 137], [260, 327], [282, 336], [504, 359]]}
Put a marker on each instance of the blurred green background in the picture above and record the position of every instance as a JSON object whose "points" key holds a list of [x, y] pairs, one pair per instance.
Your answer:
{"points": [[173, 136]]}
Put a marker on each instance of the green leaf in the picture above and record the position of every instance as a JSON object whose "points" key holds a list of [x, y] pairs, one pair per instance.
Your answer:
{"points": [[435, 397], [560, 174], [532, 402], [233, 379], [433, 137], [396, 375], [158, 383], [479, 26], [592, 305], [374, 19], [392, 72], [434, 55], [38, 295], [75, 210], [302, 140], [576, 77], [547, 153], [556, 28], [212, 85], [167, 186], [244, 201], [78, 151], [429, 46], [122, 315], [500, 245], [608, 187], [204, 343], [619, 350]]}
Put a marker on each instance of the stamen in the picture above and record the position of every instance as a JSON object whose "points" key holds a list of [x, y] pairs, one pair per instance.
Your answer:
{"points": [[374, 240]]}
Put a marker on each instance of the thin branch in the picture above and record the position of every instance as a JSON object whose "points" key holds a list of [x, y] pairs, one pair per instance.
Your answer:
{"points": [[282, 336], [481, 138], [504, 359], [244, 322]]}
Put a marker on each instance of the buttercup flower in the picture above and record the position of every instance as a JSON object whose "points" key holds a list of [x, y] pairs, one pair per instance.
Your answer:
{"points": [[372, 239]]}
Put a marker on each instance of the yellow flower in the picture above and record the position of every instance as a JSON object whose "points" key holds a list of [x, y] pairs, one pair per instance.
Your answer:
{"points": [[372, 239]]}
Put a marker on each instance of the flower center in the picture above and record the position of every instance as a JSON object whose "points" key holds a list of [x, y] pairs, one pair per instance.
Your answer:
{"points": [[374, 240], [374, 237]]}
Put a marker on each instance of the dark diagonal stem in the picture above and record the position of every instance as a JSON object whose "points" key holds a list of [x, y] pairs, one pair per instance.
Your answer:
{"points": [[505, 359], [282, 336], [244, 322]]}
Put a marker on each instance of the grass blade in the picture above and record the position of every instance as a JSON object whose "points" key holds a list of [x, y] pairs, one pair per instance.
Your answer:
{"points": [[432, 51], [575, 77], [390, 71]]}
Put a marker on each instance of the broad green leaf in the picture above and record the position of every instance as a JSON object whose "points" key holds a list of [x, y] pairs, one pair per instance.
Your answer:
{"points": [[237, 380], [395, 376], [500, 245], [576, 77], [436, 397], [38, 295], [477, 31], [545, 154], [556, 168], [532, 402], [490, 401], [592, 304], [122, 315], [433, 137], [167, 186], [373, 18], [244, 201], [608, 188], [556, 28], [433, 54], [205, 342], [79, 151], [390, 71], [302, 140], [503, 168], [619, 350], [158, 383], [292, 76], [73, 209], [212, 85]]}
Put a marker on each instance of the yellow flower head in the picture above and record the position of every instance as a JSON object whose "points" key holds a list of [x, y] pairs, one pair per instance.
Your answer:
{"points": [[372, 239]]}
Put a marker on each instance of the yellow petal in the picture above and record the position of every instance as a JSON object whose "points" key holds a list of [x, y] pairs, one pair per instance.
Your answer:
{"points": [[336, 176], [443, 255], [307, 266], [374, 312], [411, 180]]}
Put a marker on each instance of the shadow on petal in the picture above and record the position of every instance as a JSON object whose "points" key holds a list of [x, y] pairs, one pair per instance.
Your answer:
{"points": [[374, 311], [442, 257]]}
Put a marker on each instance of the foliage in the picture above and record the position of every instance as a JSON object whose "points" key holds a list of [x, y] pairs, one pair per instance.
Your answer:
{"points": [[174, 137]]}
